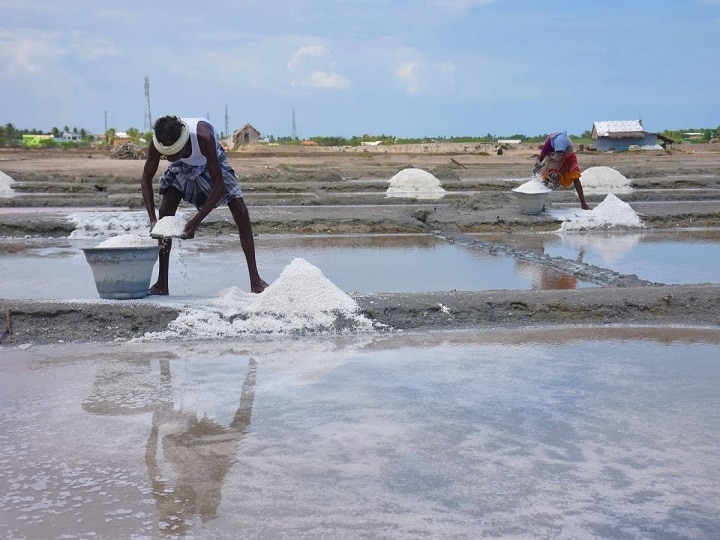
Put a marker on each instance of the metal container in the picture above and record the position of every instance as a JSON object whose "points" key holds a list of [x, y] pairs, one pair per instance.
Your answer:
{"points": [[531, 203], [122, 273]]}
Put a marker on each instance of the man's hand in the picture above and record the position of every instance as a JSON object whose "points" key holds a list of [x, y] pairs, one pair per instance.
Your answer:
{"points": [[190, 229], [538, 166]]}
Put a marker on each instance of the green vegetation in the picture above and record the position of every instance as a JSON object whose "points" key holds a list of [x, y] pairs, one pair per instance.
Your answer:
{"points": [[11, 136], [692, 135]]}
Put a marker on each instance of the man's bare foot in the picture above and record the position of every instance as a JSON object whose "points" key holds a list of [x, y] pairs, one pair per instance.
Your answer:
{"points": [[158, 290], [258, 286]]}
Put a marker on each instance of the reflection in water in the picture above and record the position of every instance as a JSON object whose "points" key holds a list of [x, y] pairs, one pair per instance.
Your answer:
{"points": [[188, 453], [197, 454], [544, 278], [569, 431]]}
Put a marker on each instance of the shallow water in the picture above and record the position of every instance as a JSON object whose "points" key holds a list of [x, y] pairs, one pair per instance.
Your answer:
{"points": [[690, 256], [568, 433], [670, 257], [56, 269]]}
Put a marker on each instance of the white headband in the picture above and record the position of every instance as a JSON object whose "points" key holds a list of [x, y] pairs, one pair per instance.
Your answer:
{"points": [[176, 146]]}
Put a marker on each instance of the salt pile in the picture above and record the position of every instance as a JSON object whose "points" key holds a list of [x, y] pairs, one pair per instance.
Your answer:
{"points": [[611, 212], [302, 300], [170, 226], [416, 184], [127, 240], [6, 183], [605, 179], [533, 186]]}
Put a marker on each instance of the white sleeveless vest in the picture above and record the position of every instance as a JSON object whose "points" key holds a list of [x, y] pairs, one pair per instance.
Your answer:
{"points": [[196, 159]]}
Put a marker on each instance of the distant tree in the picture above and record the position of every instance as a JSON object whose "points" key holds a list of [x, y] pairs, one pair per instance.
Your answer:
{"points": [[10, 135], [134, 135], [110, 136], [55, 132]]}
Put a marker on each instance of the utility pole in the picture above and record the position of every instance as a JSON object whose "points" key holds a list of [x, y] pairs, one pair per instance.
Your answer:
{"points": [[294, 127], [105, 123], [227, 123], [148, 116]]}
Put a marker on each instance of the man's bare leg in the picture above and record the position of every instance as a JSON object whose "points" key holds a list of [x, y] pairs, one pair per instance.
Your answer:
{"points": [[161, 286], [168, 206], [242, 220], [581, 195]]}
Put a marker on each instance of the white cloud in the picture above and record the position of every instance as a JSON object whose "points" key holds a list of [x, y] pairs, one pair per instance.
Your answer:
{"points": [[323, 79], [310, 67], [20, 54], [296, 60], [417, 75], [408, 76]]}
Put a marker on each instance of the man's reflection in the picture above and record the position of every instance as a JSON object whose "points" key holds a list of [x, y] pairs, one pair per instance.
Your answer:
{"points": [[188, 458], [188, 454]]}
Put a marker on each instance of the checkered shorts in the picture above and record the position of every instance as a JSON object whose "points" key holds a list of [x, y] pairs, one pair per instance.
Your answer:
{"points": [[195, 183]]}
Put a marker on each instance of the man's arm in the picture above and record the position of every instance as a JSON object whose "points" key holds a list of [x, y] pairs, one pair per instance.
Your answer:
{"points": [[207, 144], [546, 149], [151, 166]]}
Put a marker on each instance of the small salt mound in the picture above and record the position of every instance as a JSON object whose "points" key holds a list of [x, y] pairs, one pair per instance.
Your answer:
{"points": [[127, 240], [415, 183], [6, 183], [604, 179], [612, 212], [533, 186], [170, 226]]}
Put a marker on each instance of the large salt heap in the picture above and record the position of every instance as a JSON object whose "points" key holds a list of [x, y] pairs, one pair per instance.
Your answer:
{"points": [[605, 180], [610, 213], [300, 301], [415, 183]]}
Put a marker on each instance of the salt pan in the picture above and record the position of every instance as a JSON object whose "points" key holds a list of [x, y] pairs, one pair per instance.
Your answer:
{"points": [[415, 183], [128, 240], [170, 226]]}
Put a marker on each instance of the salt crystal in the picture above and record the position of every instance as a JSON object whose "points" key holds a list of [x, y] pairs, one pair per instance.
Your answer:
{"points": [[301, 300], [169, 226], [603, 178], [6, 183], [415, 183], [533, 186], [127, 240], [611, 212]]}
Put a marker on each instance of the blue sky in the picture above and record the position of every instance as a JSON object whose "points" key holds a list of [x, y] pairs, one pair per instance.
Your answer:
{"points": [[411, 68]]}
